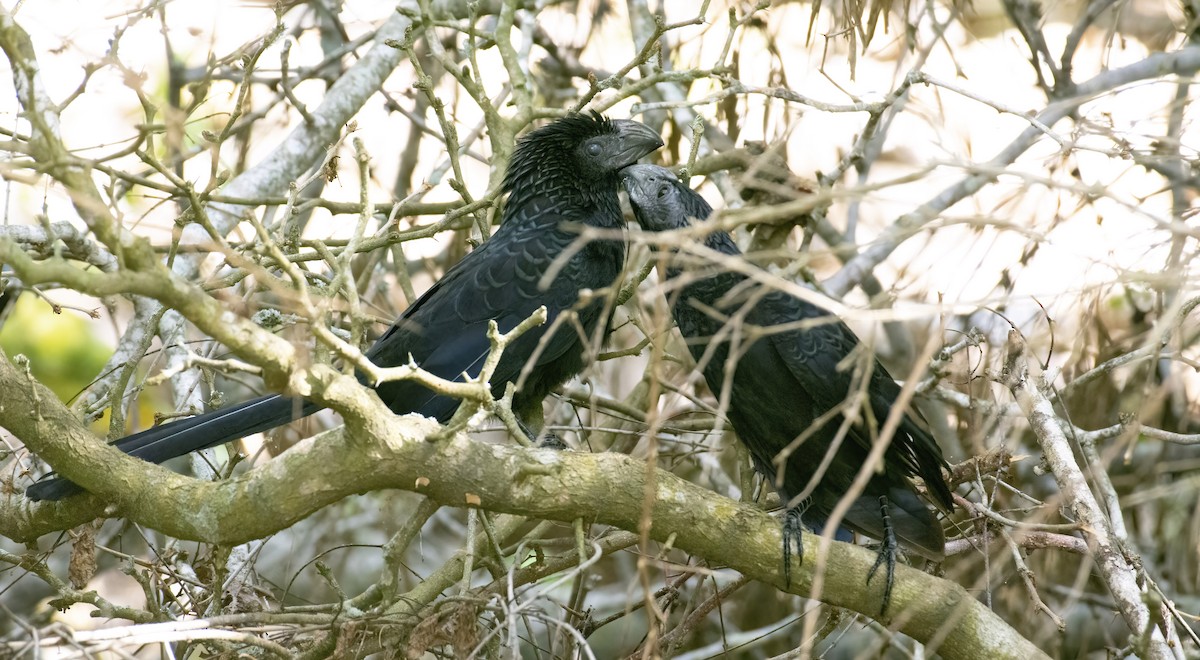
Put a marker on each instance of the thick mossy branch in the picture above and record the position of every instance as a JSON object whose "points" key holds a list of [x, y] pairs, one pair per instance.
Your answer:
{"points": [[379, 450]]}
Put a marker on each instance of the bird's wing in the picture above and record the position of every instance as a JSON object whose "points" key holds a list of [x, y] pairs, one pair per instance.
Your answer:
{"points": [[813, 355], [447, 333], [816, 357]]}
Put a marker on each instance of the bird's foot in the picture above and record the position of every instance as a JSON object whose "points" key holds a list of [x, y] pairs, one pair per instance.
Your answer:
{"points": [[793, 530], [552, 441], [887, 555]]}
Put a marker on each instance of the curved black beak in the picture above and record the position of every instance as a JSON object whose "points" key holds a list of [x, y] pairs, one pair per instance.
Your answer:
{"points": [[635, 140]]}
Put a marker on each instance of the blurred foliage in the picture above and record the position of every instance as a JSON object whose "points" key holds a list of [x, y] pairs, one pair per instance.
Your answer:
{"points": [[63, 350]]}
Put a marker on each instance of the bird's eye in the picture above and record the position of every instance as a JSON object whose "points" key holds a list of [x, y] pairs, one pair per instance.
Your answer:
{"points": [[662, 192], [594, 149]]}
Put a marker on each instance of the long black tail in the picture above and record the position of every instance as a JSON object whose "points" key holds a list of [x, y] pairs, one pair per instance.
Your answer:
{"points": [[184, 436]]}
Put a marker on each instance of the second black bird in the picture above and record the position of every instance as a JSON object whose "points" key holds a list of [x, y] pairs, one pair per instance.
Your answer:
{"points": [[561, 176], [789, 385]]}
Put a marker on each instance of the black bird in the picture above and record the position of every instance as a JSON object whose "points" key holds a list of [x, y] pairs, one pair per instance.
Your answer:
{"points": [[561, 176], [786, 386]]}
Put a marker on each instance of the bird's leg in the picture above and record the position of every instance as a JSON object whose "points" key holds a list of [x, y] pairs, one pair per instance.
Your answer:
{"points": [[793, 530], [548, 441], [887, 553], [529, 433], [531, 421]]}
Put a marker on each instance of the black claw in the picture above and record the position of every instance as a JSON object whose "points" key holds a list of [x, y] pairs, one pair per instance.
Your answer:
{"points": [[552, 441], [887, 553], [793, 530]]}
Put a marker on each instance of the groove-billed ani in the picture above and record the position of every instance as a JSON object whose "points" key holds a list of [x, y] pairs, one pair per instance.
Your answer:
{"points": [[561, 176], [789, 387]]}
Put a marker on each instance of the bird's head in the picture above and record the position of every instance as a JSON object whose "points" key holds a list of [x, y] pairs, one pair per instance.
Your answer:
{"points": [[580, 147], [659, 199]]}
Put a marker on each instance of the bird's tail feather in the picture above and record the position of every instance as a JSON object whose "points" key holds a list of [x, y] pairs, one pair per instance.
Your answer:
{"points": [[167, 441]]}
